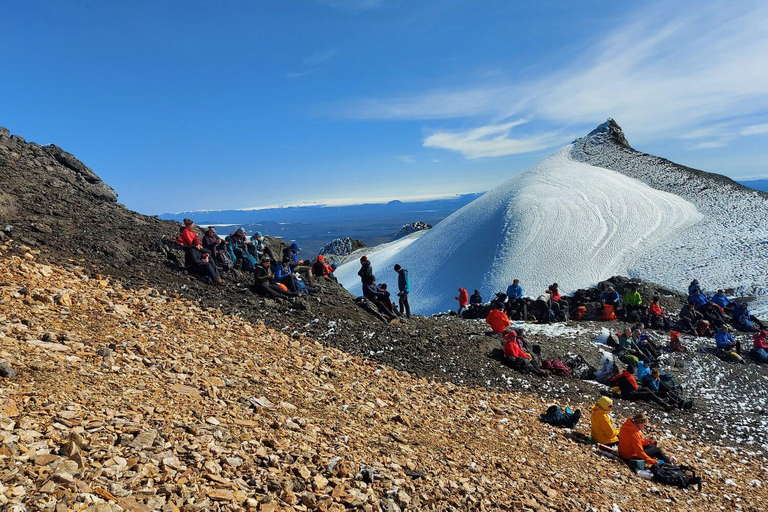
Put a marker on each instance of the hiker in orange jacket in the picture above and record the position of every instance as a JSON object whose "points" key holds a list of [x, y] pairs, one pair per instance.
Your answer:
{"points": [[188, 236], [463, 299], [632, 444], [498, 319]]}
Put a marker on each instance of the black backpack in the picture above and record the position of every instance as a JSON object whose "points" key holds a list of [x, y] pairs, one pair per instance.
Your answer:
{"points": [[679, 476]]}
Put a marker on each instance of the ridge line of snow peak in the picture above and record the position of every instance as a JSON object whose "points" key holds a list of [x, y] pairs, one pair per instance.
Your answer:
{"points": [[562, 220]]}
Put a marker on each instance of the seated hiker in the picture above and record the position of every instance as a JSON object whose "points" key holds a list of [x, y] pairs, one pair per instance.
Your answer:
{"points": [[403, 290], [629, 390], [198, 263], [743, 320], [759, 350], [725, 342], [546, 310], [608, 369], [560, 300], [463, 299], [365, 269], [514, 293], [720, 299], [188, 235], [693, 287], [259, 247], [476, 300], [522, 339], [602, 426], [652, 380], [379, 297], [517, 357], [559, 418], [498, 319], [284, 275], [238, 245], [321, 269], [211, 241], [713, 313], [645, 344], [632, 444], [698, 299], [610, 297], [263, 284], [642, 370], [689, 317], [393, 307], [298, 266], [627, 350], [633, 304], [656, 318]]}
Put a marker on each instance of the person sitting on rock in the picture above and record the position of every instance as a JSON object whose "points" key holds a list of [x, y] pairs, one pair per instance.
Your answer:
{"points": [[743, 320], [365, 269], [557, 298], [633, 304], [188, 235], [259, 247], [652, 380], [694, 286], [238, 246], [463, 299], [704, 329], [629, 390], [393, 307], [379, 297], [264, 285], [656, 317], [632, 444], [283, 275], [498, 319], [321, 269], [713, 313], [645, 344], [211, 241], [688, 318], [198, 263], [517, 357], [675, 343], [698, 298], [476, 300], [546, 309], [721, 300], [298, 266], [514, 293], [725, 342], [759, 350], [610, 297], [603, 431], [627, 351]]}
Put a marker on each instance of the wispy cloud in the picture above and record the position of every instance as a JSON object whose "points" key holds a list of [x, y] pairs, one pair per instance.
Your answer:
{"points": [[682, 71], [493, 140], [313, 63], [353, 5], [408, 159]]}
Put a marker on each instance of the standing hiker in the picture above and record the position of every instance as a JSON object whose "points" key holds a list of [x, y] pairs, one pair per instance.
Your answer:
{"points": [[365, 270], [404, 288], [463, 299]]}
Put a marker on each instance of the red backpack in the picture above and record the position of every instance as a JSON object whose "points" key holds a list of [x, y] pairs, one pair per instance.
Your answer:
{"points": [[556, 367]]}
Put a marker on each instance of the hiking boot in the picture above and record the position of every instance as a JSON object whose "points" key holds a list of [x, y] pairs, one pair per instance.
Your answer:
{"points": [[574, 419]]}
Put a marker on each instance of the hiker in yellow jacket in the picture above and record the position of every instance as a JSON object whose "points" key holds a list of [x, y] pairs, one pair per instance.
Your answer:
{"points": [[602, 426]]}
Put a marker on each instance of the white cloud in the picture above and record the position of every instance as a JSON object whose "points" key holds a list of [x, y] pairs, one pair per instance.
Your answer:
{"points": [[408, 159], [492, 140], [684, 70]]}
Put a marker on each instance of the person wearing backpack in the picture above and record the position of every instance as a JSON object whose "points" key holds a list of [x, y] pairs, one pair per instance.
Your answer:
{"points": [[759, 350], [629, 390], [603, 431], [263, 284], [633, 445], [404, 288]]}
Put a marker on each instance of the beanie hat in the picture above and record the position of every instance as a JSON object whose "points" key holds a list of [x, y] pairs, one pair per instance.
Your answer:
{"points": [[240, 230], [363, 259], [639, 418], [188, 222], [604, 403], [295, 247], [320, 257], [258, 233]]}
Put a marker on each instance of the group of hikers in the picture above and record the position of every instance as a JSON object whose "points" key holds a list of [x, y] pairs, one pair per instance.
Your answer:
{"points": [[279, 278], [379, 294]]}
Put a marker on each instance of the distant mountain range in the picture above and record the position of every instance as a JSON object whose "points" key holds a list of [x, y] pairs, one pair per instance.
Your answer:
{"points": [[312, 226], [761, 185]]}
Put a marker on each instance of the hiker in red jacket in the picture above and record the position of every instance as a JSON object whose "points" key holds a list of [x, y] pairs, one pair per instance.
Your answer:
{"points": [[188, 235], [517, 357], [629, 390], [498, 319], [463, 299]]}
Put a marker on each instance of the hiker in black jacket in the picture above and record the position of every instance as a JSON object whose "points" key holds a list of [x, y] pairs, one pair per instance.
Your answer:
{"points": [[263, 282], [378, 296], [211, 241], [366, 270], [197, 262]]}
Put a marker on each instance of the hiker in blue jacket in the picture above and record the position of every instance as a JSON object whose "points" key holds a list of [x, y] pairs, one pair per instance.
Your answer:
{"points": [[284, 275], [726, 342], [515, 291], [694, 286], [610, 297], [404, 288], [698, 298], [743, 319], [720, 299]]}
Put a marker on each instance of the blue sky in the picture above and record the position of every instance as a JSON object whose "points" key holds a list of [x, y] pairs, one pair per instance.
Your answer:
{"points": [[184, 105]]}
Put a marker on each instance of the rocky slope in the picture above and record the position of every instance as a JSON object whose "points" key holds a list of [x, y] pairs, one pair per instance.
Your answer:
{"points": [[132, 399]]}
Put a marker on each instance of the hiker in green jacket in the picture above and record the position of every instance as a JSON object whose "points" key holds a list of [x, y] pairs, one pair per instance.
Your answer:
{"points": [[633, 302]]}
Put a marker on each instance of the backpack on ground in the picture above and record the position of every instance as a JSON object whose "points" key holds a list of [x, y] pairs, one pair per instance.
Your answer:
{"points": [[224, 261], [679, 476], [580, 313], [556, 367]]}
